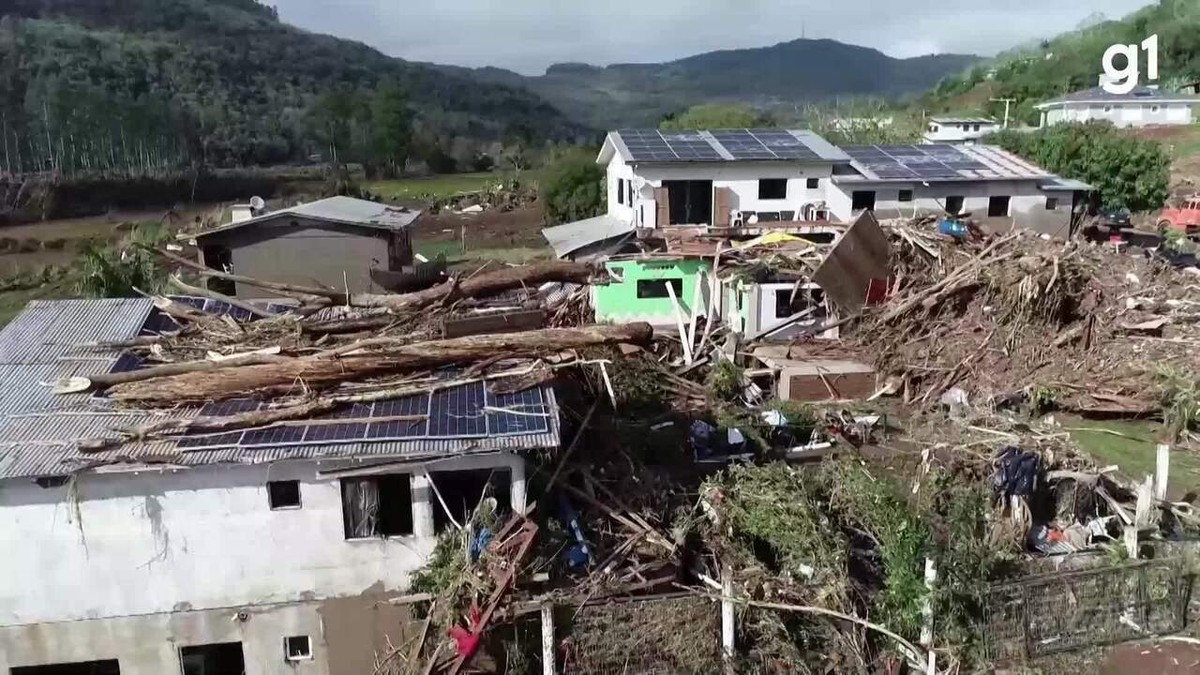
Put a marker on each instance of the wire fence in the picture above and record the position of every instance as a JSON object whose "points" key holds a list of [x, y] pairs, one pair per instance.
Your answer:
{"points": [[1047, 614]]}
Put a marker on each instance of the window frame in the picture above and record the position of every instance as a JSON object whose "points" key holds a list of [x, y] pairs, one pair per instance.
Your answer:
{"points": [[378, 535], [287, 651], [962, 202], [773, 182], [1007, 206], [901, 194], [621, 191], [1051, 203], [854, 200], [676, 282], [812, 184], [285, 507]]}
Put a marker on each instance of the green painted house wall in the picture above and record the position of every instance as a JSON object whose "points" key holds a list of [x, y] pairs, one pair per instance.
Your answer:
{"points": [[618, 302]]}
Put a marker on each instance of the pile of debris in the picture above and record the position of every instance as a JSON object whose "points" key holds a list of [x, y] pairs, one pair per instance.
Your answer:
{"points": [[507, 195]]}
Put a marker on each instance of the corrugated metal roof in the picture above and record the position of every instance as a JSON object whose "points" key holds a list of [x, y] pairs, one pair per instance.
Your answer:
{"points": [[40, 432], [1139, 94], [568, 238], [962, 120], [343, 210]]}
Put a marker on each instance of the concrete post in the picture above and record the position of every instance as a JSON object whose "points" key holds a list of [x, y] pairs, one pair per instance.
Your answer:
{"points": [[422, 505], [517, 485], [1161, 469], [548, 658], [727, 618]]}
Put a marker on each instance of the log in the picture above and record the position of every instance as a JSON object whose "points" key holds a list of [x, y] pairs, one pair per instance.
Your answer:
{"points": [[299, 375], [201, 292], [488, 283], [105, 380]]}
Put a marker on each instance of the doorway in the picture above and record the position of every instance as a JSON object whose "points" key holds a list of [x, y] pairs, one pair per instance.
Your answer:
{"points": [[690, 201], [216, 659], [108, 667], [997, 207]]}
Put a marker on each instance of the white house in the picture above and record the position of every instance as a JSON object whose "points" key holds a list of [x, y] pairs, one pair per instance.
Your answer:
{"points": [[269, 551], [1144, 106], [964, 130]]}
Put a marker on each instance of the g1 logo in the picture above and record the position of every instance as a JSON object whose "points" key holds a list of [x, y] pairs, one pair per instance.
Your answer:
{"points": [[1125, 80]]}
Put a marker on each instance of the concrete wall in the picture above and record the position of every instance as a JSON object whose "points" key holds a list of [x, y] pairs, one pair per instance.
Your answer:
{"points": [[741, 178], [618, 302], [305, 251], [148, 548], [1027, 203], [618, 171], [936, 132], [1123, 114]]}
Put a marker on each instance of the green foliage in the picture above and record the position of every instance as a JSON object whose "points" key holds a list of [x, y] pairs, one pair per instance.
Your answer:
{"points": [[1129, 172], [116, 271], [1043, 399], [716, 116], [725, 380], [1179, 395], [862, 123], [573, 187], [446, 565]]}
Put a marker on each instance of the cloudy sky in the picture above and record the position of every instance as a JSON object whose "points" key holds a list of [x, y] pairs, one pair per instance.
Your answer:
{"points": [[528, 35]]}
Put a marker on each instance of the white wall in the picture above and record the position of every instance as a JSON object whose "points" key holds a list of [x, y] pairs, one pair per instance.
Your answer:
{"points": [[741, 177], [1123, 114], [618, 171], [195, 539], [1024, 195], [937, 132]]}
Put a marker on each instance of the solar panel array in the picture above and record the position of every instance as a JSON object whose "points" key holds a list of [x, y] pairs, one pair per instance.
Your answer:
{"points": [[465, 411], [651, 145], [916, 162]]}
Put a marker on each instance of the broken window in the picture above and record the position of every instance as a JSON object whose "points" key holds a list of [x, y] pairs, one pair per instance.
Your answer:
{"points": [[657, 288], [862, 199], [109, 667], [790, 301], [220, 258], [905, 196], [458, 493], [297, 648], [377, 506], [772, 188], [954, 205], [283, 494], [997, 207], [216, 659]]}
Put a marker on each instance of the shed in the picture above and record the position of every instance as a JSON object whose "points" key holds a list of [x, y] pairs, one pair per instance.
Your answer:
{"points": [[333, 242]]}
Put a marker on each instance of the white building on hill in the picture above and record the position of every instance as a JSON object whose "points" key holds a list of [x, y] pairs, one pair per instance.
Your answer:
{"points": [[955, 130], [1142, 107]]}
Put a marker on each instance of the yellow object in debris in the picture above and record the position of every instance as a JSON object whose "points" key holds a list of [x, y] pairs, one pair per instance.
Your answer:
{"points": [[769, 238]]}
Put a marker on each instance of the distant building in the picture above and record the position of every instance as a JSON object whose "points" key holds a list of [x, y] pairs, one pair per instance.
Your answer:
{"points": [[1144, 106], [956, 130], [272, 551], [333, 242]]}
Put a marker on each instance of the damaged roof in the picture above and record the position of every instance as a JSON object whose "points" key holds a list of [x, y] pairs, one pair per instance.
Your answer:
{"points": [[571, 237], [41, 432], [341, 210]]}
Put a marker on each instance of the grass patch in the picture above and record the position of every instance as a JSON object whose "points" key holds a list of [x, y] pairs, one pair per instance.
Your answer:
{"points": [[456, 256], [441, 186], [1136, 455]]}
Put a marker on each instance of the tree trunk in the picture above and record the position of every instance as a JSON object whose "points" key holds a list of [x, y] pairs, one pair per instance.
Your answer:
{"points": [[483, 285], [295, 376]]}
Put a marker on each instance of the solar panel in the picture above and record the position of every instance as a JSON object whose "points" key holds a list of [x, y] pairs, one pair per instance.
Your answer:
{"points": [[409, 406], [741, 144], [280, 435], [647, 145], [458, 412], [784, 145], [520, 412], [231, 407], [230, 439], [340, 433]]}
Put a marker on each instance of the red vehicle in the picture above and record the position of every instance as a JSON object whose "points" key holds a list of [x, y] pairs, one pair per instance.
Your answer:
{"points": [[1184, 218]]}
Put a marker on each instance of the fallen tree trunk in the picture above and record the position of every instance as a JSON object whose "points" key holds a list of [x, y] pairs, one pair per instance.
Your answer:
{"points": [[297, 375], [485, 284], [105, 380]]}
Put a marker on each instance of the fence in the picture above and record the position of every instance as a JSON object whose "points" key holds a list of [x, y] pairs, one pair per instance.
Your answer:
{"points": [[1052, 613]]}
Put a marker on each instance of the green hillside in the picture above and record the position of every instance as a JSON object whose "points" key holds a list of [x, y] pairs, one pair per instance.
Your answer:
{"points": [[129, 83], [801, 71], [1072, 61]]}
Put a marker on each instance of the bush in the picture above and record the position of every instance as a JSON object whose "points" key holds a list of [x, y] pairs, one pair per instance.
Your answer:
{"points": [[573, 188], [1128, 172]]}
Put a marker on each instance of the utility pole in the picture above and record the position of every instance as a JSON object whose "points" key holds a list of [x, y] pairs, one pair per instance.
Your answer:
{"points": [[1007, 102]]}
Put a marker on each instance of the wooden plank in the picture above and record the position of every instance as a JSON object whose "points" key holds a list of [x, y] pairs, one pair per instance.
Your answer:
{"points": [[501, 322], [662, 201], [722, 203], [862, 254]]}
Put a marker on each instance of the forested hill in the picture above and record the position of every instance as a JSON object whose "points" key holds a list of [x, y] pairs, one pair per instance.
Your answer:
{"points": [[800, 71], [1072, 61], [106, 83]]}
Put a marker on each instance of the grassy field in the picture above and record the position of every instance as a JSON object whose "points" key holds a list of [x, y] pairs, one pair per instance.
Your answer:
{"points": [[1134, 450], [438, 187]]}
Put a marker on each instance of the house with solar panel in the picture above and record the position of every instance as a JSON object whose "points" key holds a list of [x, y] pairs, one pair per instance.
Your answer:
{"points": [[272, 550], [1142, 107], [333, 242]]}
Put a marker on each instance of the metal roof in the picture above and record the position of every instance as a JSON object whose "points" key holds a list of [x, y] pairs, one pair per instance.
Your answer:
{"points": [[963, 120], [1139, 94], [980, 162], [1066, 185], [40, 432], [568, 238], [341, 210], [722, 145]]}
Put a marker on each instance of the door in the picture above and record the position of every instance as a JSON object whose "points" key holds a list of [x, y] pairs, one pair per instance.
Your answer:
{"points": [[998, 207], [691, 201]]}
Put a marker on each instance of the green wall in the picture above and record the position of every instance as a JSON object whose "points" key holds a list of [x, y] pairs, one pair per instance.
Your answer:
{"points": [[618, 302]]}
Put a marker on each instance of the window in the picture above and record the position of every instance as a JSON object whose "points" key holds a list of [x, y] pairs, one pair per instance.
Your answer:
{"points": [[215, 659], [657, 288], [629, 190], [789, 301], [812, 183], [220, 258], [81, 668], [283, 494], [905, 196], [377, 506], [456, 494], [1153, 108], [620, 191], [954, 205], [862, 199], [1051, 203], [997, 207], [1108, 108], [297, 648], [975, 128], [772, 188]]}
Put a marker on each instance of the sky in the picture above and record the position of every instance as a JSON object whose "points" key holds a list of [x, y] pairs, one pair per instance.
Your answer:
{"points": [[529, 35]]}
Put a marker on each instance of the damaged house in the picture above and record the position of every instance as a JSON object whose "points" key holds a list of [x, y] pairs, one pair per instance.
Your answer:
{"points": [[267, 550]]}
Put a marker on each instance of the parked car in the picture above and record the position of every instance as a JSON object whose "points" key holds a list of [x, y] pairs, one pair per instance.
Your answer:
{"points": [[1116, 219], [1184, 218]]}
